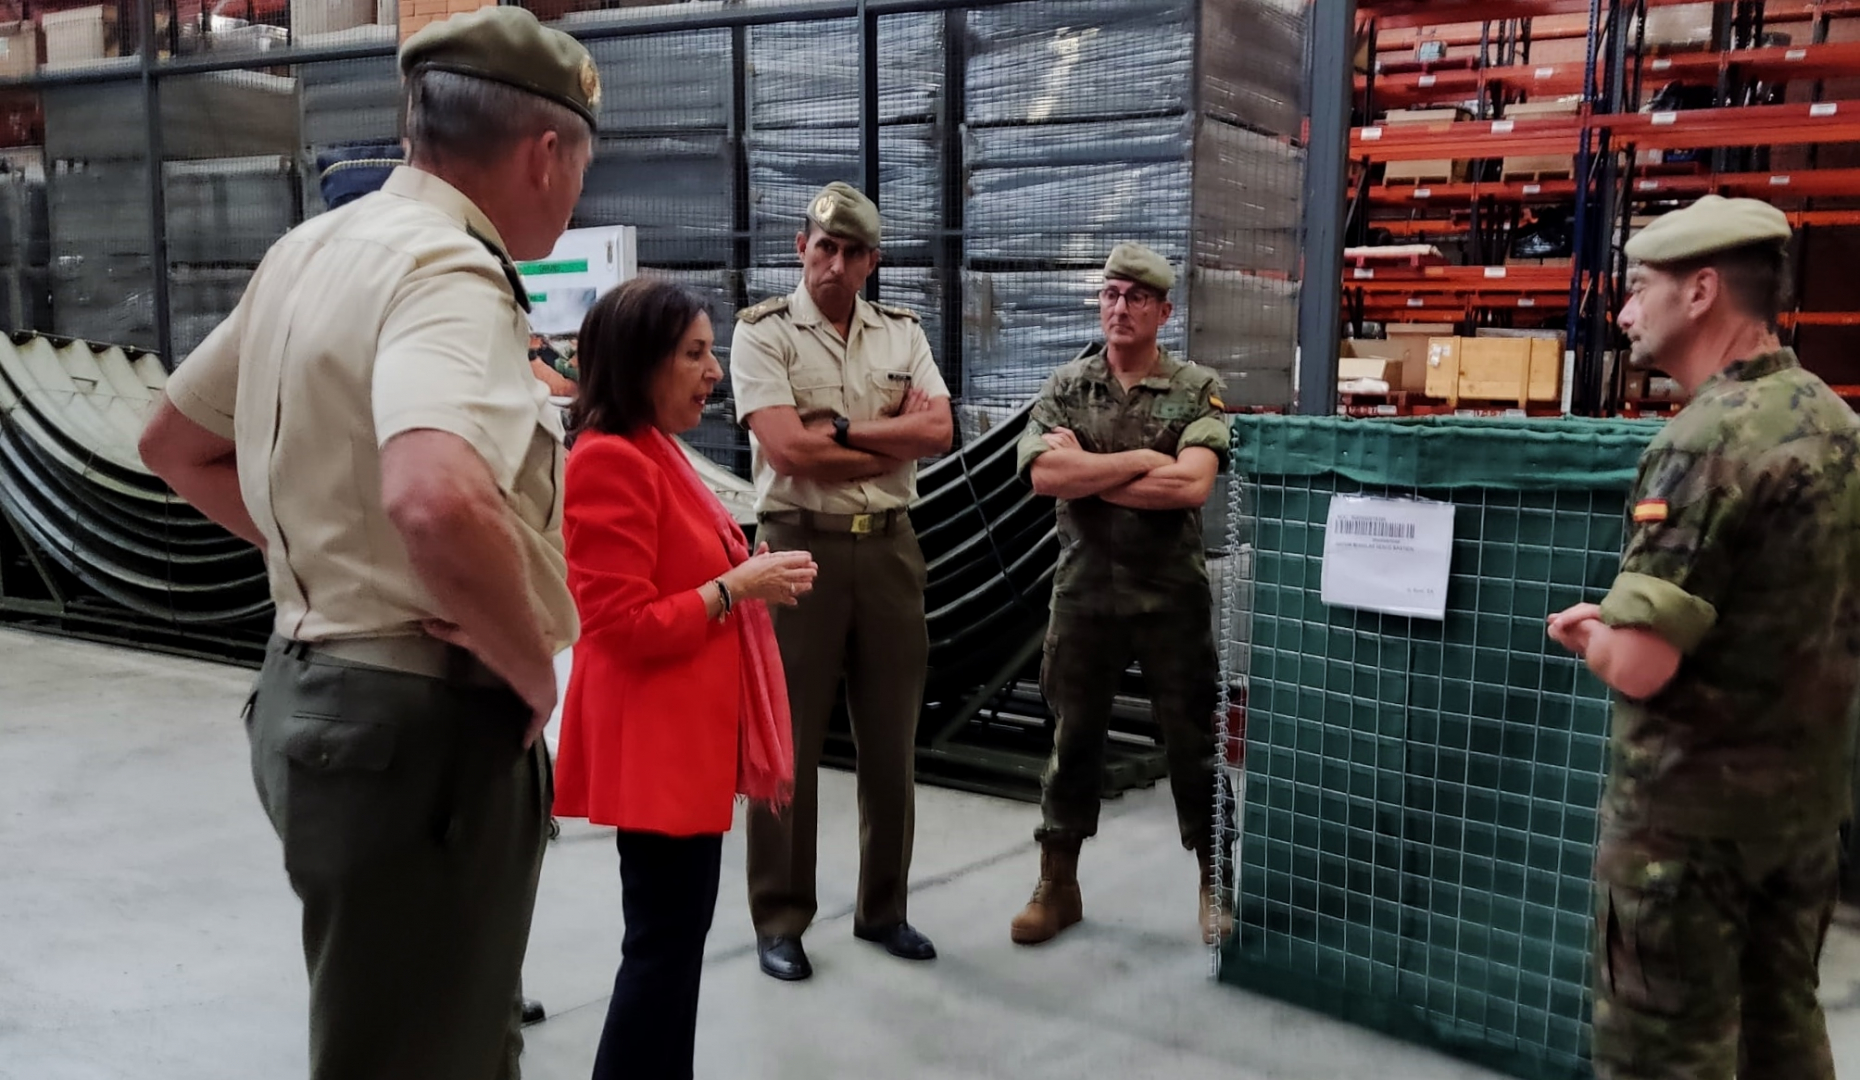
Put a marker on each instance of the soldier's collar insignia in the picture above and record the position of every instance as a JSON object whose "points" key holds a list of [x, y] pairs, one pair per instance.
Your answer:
{"points": [[1648, 511]]}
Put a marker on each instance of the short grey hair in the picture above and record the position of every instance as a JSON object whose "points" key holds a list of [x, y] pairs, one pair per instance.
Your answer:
{"points": [[465, 120]]}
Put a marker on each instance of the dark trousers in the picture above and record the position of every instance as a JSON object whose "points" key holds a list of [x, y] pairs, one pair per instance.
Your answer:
{"points": [[1086, 657], [668, 893], [413, 824], [1707, 955], [863, 622]]}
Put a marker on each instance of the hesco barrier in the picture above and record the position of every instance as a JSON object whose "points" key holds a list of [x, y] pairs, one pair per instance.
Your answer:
{"points": [[1420, 805]]}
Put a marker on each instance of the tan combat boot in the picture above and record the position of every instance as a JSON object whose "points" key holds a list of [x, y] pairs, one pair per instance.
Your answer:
{"points": [[1217, 919], [1056, 903]]}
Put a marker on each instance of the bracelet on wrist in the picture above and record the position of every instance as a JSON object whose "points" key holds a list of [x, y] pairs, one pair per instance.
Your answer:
{"points": [[723, 593]]}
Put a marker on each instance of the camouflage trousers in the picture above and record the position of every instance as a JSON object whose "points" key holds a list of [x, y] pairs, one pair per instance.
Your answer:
{"points": [[1707, 953], [1086, 657]]}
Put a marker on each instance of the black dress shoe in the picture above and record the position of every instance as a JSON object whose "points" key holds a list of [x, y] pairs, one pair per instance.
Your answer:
{"points": [[900, 940], [783, 958], [532, 1012]]}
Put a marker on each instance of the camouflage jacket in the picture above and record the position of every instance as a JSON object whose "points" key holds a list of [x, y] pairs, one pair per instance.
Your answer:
{"points": [[1744, 551], [1114, 560]]}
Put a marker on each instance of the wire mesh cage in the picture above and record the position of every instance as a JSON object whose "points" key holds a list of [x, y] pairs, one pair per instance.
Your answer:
{"points": [[1419, 801]]}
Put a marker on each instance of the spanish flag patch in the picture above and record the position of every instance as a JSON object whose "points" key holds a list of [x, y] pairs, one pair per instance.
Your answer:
{"points": [[1648, 511]]}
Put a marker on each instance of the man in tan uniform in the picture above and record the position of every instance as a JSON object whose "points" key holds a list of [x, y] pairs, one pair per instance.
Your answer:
{"points": [[367, 416], [841, 398]]}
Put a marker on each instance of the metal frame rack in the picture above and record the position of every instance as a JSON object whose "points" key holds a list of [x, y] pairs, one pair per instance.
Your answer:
{"points": [[1608, 184]]}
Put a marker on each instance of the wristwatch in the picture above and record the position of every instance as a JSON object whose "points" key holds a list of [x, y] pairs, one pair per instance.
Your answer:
{"points": [[842, 429]]}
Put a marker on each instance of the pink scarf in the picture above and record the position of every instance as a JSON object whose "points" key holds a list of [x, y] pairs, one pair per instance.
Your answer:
{"points": [[765, 738]]}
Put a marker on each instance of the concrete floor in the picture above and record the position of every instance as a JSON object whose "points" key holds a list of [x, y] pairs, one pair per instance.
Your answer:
{"points": [[146, 929]]}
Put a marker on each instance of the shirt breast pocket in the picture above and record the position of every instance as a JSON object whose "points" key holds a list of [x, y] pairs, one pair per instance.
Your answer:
{"points": [[818, 392], [888, 389]]}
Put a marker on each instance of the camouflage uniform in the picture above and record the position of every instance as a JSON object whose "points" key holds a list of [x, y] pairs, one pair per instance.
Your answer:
{"points": [[1717, 865], [1131, 584]]}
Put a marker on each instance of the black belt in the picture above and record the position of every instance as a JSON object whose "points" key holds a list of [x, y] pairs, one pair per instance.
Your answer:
{"points": [[875, 524]]}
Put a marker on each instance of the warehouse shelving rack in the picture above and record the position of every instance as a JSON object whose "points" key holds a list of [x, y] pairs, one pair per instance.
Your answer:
{"points": [[1605, 138]]}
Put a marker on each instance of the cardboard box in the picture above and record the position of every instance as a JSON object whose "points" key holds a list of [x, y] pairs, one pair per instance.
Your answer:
{"points": [[1678, 26], [311, 17], [79, 36], [19, 49], [1423, 116], [1539, 109], [1520, 369], [1400, 361]]}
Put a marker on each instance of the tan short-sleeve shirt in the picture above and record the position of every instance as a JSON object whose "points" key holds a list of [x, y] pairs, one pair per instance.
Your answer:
{"points": [[395, 313], [796, 357]]}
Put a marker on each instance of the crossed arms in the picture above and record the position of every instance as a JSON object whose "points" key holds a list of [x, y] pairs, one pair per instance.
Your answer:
{"points": [[1137, 479], [803, 447]]}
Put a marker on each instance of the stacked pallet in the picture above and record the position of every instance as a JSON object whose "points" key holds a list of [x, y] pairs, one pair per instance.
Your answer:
{"points": [[231, 186], [803, 134], [25, 250], [1092, 122]]}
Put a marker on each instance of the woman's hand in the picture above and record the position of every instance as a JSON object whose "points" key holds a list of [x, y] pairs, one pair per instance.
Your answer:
{"points": [[774, 577]]}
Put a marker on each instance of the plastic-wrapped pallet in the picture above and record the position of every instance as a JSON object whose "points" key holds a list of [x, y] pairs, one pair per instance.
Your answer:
{"points": [[1069, 192], [229, 210], [913, 287], [786, 168], [98, 209], [1252, 63], [199, 299], [1052, 60], [1248, 199], [214, 115], [664, 82], [677, 190], [1018, 326], [350, 101], [25, 229], [718, 291], [26, 298], [807, 74], [108, 299], [1245, 327]]}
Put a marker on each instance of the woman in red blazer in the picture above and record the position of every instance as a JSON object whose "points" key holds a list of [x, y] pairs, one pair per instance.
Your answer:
{"points": [[676, 703]]}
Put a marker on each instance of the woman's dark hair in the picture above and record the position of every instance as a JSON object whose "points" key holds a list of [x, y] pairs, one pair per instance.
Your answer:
{"points": [[626, 337]]}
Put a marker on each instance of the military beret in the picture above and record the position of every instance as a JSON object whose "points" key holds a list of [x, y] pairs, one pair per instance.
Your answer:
{"points": [[508, 45], [1712, 224], [844, 211], [1134, 262]]}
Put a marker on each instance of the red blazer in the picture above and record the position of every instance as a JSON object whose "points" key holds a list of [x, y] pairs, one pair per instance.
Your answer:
{"points": [[649, 736]]}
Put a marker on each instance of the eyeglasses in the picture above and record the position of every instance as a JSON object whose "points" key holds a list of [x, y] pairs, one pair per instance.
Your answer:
{"points": [[1134, 299]]}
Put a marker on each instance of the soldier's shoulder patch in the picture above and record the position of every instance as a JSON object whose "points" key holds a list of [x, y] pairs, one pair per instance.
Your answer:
{"points": [[896, 311], [1650, 511], [755, 313]]}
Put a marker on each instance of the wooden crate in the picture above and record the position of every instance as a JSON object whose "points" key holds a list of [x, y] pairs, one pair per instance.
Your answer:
{"points": [[1520, 370]]}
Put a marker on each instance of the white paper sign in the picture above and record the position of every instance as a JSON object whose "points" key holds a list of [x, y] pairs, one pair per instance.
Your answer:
{"points": [[1388, 555], [584, 264]]}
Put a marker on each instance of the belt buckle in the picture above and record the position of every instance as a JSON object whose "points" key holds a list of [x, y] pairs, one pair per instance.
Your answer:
{"points": [[861, 524]]}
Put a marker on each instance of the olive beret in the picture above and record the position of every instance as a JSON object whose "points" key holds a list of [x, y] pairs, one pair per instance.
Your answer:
{"points": [[843, 210], [1712, 224], [508, 45], [1134, 262]]}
